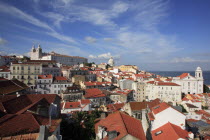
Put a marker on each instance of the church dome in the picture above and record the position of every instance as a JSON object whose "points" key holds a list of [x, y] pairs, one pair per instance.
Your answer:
{"points": [[198, 69], [111, 62]]}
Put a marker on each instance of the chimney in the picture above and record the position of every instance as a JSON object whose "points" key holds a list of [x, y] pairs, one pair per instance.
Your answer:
{"points": [[112, 135]]}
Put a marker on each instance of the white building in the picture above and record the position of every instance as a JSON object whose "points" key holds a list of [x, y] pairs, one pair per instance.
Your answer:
{"points": [[190, 84], [81, 105], [47, 84], [111, 62], [36, 54], [5, 72], [166, 91], [163, 113]]}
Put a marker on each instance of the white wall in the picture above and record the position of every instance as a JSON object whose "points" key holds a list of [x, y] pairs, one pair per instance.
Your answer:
{"points": [[169, 115]]}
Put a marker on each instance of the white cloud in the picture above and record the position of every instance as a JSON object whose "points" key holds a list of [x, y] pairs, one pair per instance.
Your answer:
{"points": [[90, 39], [108, 39], [55, 17], [61, 37], [187, 60], [75, 12], [13, 11], [104, 56], [2, 41]]}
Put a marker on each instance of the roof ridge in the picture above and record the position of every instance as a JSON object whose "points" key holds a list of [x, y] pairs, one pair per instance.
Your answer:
{"points": [[172, 125], [29, 106], [17, 84], [123, 122]]}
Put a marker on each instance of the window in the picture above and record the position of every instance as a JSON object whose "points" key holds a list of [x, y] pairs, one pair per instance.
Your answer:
{"points": [[13, 68]]}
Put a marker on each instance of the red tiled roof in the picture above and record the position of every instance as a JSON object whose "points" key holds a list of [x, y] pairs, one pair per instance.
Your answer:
{"points": [[26, 63], [167, 84], [85, 101], [41, 61], [96, 83], [26, 102], [3, 79], [185, 99], [192, 120], [183, 75], [151, 116], [138, 105], [193, 96], [115, 107], [4, 69], [93, 93], [4, 98], [191, 105], [49, 97], [23, 124], [45, 76], [70, 105], [153, 103], [168, 80], [203, 112], [151, 82], [11, 86], [159, 83], [31, 136], [169, 131], [159, 108], [60, 78], [123, 124], [125, 92]]}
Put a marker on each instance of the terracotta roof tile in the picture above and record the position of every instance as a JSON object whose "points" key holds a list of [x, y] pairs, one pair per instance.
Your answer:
{"points": [[151, 116], [11, 86], [93, 93], [22, 103], [138, 105], [153, 103], [45, 76], [23, 124], [4, 69], [71, 105], [85, 101], [167, 84], [115, 107], [60, 78], [169, 131], [183, 75], [123, 124], [191, 105], [160, 107]]}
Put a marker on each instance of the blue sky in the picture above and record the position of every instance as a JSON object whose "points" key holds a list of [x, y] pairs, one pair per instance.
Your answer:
{"points": [[152, 34]]}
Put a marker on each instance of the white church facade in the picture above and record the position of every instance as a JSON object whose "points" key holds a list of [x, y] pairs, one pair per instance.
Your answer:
{"points": [[37, 54], [190, 84]]}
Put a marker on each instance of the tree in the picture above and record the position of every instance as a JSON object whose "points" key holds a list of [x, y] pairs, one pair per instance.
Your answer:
{"points": [[206, 89], [81, 126]]}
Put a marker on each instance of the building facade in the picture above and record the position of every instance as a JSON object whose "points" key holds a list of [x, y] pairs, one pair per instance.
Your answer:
{"points": [[37, 54], [190, 84], [26, 72]]}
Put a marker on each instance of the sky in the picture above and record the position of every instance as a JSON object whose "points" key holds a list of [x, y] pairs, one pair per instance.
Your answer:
{"points": [[155, 35]]}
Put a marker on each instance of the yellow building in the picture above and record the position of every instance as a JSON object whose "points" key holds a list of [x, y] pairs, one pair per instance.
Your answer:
{"points": [[76, 79], [26, 72], [125, 68]]}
